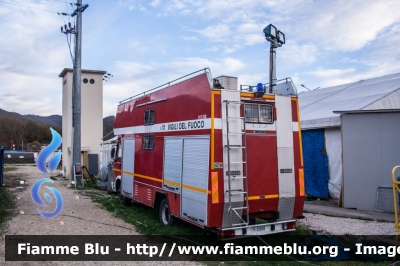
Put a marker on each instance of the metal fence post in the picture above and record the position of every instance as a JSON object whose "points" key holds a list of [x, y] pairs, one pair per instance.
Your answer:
{"points": [[1, 165]]}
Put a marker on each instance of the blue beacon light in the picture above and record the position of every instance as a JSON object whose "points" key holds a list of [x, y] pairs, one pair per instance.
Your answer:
{"points": [[260, 87], [260, 90]]}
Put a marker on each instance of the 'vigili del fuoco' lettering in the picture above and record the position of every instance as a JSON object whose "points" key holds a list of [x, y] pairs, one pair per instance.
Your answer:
{"points": [[196, 124]]}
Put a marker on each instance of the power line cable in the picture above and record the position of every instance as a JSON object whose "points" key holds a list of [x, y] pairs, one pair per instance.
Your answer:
{"points": [[29, 7], [62, 18], [69, 20], [69, 47], [66, 7]]}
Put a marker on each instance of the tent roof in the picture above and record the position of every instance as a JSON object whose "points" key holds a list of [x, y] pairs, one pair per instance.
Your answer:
{"points": [[317, 106]]}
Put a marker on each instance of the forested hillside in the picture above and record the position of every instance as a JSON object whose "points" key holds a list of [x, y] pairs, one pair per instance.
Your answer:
{"points": [[32, 131]]}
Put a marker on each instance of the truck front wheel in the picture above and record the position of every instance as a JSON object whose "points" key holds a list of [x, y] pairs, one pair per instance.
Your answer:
{"points": [[165, 217]]}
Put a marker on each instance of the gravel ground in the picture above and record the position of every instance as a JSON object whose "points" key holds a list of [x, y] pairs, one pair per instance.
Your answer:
{"points": [[79, 216], [341, 226]]}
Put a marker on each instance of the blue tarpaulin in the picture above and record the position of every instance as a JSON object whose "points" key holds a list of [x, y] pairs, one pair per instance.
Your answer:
{"points": [[1, 165], [316, 173]]}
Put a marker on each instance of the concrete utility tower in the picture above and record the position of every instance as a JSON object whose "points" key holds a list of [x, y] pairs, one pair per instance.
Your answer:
{"points": [[91, 115]]}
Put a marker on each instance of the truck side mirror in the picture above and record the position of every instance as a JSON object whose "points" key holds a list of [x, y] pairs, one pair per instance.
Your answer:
{"points": [[113, 152]]}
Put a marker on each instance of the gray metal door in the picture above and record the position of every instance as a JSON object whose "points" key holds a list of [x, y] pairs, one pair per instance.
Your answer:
{"points": [[128, 162], [195, 171]]}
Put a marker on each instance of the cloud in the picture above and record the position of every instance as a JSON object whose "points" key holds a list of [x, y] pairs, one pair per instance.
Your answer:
{"points": [[131, 69], [190, 38], [332, 77], [297, 80], [212, 49], [294, 55], [219, 65], [137, 46], [232, 37], [142, 8], [40, 96], [335, 26], [251, 79], [216, 33], [186, 12], [32, 54], [380, 58], [346, 25], [332, 73], [177, 7], [155, 3], [230, 11], [131, 78], [328, 43]]}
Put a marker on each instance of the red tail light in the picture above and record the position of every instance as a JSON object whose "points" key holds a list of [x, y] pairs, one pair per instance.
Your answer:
{"points": [[291, 225]]}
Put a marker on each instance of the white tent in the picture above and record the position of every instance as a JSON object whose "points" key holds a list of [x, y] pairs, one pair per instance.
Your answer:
{"points": [[317, 112]]}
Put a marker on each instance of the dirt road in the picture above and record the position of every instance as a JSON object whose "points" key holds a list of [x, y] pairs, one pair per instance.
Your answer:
{"points": [[79, 216]]}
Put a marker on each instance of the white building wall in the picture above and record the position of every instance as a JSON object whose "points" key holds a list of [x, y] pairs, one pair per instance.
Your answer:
{"points": [[91, 115], [66, 121]]}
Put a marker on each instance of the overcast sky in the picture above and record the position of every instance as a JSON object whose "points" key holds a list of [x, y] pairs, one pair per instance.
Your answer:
{"points": [[146, 43]]}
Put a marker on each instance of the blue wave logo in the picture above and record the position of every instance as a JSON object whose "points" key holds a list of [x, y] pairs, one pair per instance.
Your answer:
{"points": [[55, 160], [41, 165], [36, 198]]}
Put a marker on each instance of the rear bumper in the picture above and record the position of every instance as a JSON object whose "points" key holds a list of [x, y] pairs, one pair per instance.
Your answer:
{"points": [[257, 229]]}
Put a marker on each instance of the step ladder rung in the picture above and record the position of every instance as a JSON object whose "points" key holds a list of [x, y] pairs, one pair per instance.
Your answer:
{"points": [[237, 133], [235, 147], [238, 193], [238, 177], [239, 224], [240, 208]]}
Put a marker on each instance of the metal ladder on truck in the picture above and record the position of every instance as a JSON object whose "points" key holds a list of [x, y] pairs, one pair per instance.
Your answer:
{"points": [[231, 174]]}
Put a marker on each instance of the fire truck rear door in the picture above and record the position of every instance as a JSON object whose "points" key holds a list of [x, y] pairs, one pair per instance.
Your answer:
{"points": [[128, 162]]}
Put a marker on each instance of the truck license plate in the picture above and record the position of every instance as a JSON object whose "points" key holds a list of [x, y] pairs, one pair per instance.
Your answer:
{"points": [[260, 228]]}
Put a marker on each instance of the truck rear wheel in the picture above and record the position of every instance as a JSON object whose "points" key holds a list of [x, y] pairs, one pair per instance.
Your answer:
{"points": [[165, 217], [123, 200]]}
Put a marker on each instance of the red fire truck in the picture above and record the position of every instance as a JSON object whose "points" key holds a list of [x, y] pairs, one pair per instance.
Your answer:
{"points": [[212, 155]]}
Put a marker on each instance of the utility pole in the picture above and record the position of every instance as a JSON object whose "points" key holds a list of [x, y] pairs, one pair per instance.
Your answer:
{"points": [[76, 93]]}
